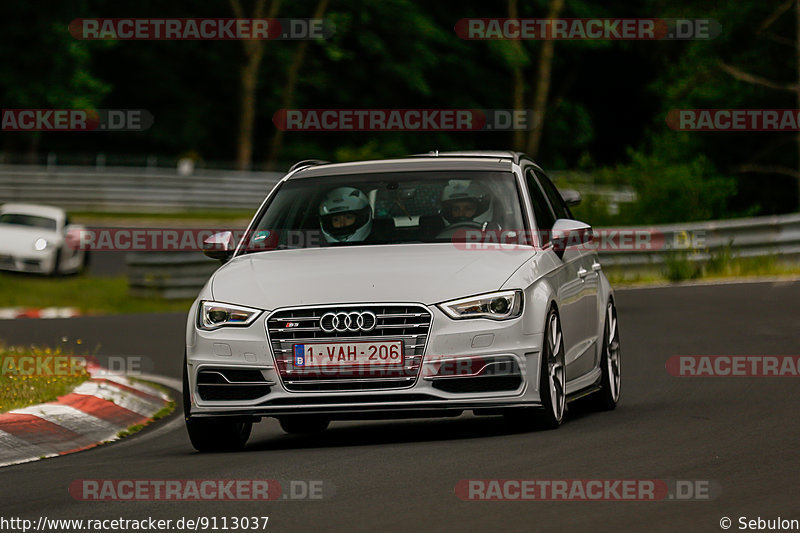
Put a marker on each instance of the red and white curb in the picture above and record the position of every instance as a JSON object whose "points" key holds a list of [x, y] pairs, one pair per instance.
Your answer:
{"points": [[93, 413], [10, 313]]}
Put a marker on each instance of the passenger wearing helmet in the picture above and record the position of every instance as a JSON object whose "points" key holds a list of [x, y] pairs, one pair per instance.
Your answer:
{"points": [[464, 204], [466, 201], [345, 215]]}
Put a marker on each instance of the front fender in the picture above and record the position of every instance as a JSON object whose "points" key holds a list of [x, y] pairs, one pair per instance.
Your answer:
{"points": [[532, 278]]}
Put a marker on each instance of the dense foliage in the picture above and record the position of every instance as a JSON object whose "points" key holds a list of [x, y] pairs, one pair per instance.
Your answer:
{"points": [[606, 105]]}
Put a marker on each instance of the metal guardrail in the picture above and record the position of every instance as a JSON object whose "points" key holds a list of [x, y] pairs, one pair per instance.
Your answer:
{"points": [[110, 188], [175, 275], [168, 275], [614, 195], [125, 189], [698, 242]]}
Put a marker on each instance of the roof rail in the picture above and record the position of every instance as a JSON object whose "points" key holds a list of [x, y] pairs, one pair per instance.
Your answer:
{"points": [[307, 163], [489, 154]]}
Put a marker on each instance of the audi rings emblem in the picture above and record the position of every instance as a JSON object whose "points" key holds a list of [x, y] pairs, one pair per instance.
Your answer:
{"points": [[353, 321]]}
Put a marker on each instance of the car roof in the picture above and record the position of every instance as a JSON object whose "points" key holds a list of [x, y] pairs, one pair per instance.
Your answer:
{"points": [[433, 161], [33, 209]]}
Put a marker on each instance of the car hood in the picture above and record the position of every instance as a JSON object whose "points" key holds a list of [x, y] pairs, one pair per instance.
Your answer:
{"points": [[20, 239], [425, 273]]}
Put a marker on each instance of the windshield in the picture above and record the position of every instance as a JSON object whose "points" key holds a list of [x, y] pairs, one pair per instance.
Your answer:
{"points": [[32, 221], [387, 208]]}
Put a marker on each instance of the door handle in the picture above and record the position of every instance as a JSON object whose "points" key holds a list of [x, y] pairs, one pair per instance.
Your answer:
{"points": [[582, 273]]}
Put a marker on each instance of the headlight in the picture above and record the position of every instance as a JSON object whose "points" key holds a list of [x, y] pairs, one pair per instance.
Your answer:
{"points": [[495, 305], [40, 244], [213, 315]]}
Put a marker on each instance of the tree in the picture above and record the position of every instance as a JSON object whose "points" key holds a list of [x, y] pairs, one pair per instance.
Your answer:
{"points": [[43, 66], [292, 75], [790, 87], [253, 53], [542, 86]]}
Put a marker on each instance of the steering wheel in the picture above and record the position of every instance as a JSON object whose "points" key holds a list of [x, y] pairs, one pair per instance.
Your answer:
{"points": [[450, 231]]}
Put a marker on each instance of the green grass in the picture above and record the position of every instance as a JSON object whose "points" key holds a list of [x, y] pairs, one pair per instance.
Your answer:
{"points": [[91, 295], [130, 430], [722, 266], [164, 411], [22, 384], [677, 267]]}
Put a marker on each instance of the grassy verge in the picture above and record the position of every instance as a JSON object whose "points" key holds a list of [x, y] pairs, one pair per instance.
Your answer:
{"points": [[33, 375], [679, 268], [91, 295]]}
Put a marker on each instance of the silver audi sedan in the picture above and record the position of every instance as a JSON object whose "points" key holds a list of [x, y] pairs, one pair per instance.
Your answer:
{"points": [[423, 286]]}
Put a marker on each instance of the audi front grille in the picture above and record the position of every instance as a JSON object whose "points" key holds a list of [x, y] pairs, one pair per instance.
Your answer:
{"points": [[408, 323]]}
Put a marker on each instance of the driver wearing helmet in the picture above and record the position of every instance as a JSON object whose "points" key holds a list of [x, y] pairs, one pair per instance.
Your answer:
{"points": [[466, 201], [345, 215]]}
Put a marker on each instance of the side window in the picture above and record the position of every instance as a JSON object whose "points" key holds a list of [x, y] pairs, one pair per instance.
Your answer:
{"points": [[541, 210], [559, 206]]}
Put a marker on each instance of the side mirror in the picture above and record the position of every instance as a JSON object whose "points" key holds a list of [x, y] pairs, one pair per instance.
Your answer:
{"points": [[567, 232], [571, 197], [219, 246]]}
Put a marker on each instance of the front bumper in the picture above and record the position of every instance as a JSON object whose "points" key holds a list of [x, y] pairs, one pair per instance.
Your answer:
{"points": [[36, 262], [496, 346]]}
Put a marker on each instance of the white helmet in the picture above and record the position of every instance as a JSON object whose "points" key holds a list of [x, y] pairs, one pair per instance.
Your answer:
{"points": [[466, 191], [341, 201]]}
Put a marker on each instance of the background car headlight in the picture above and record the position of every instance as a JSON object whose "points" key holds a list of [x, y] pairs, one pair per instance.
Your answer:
{"points": [[495, 305], [213, 315], [40, 244]]}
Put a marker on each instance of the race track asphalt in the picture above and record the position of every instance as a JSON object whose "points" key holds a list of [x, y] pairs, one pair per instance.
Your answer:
{"points": [[742, 434]]}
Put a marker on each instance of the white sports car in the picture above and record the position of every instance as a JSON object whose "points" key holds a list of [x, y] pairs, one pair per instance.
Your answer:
{"points": [[419, 286], [34, 238]]}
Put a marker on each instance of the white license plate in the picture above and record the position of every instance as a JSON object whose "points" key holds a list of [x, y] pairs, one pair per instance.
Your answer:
{"points": [[348, 354]]}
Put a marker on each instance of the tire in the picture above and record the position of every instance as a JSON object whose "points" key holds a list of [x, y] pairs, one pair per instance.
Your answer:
{"points": [[304, 425], [56, 264], [218, 434], [84, 268], [607, 397], [211, 434], [552, 382]]}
